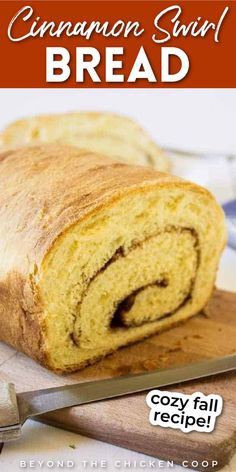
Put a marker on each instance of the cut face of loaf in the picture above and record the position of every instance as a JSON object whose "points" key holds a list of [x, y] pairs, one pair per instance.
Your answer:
{"points": [[111, 135], [96, 255]]}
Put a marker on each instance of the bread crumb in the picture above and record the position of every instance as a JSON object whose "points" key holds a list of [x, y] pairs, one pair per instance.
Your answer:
{"points": [[72, 446]]}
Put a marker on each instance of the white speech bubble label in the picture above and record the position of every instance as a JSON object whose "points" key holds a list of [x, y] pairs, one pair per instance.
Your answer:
{"points": [[196, 412]]}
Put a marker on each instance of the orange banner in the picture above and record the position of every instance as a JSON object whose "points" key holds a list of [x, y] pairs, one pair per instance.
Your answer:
{"points": [[117, 44]]}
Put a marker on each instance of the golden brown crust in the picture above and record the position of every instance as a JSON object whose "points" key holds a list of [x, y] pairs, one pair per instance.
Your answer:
{"points": [[113, 135], [43, 191], [24, 329]]}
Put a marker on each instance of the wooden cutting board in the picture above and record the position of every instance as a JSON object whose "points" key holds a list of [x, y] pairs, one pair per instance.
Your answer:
{"points": [[124, 421]]}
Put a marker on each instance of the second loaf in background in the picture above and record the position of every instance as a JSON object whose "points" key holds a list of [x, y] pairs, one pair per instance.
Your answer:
{"points": [[112, 135], [96, 254]]}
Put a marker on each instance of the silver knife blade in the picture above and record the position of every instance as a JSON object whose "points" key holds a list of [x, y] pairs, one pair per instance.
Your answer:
{"points": [[38, 402]]}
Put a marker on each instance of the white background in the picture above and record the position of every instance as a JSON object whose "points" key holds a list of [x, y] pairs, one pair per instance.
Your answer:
{"points": [[197, 120], [202, 119]]}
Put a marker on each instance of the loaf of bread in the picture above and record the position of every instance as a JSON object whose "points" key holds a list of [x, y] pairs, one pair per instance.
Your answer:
{"points": [[96, 254], [111, 135]]}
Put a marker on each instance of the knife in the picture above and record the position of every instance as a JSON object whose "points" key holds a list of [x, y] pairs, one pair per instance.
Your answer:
{"points": [[15, 409]]}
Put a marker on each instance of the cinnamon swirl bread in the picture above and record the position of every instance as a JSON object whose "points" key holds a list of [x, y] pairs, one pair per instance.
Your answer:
{"points": [[111, 135], [96, 254]]}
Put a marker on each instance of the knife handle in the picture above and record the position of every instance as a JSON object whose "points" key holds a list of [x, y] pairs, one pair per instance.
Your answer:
{"points": [[10, 427]]}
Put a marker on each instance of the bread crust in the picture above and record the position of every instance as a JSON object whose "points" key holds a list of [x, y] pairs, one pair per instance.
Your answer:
{"points": [[89, 130], [45, 190]]}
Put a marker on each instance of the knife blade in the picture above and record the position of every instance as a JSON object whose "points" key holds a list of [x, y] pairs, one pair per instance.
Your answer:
{"points": [[37, 402]]}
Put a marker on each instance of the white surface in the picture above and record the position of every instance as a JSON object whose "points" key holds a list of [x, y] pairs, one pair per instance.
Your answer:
{"points": [[45, 443], [189, 119]]}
